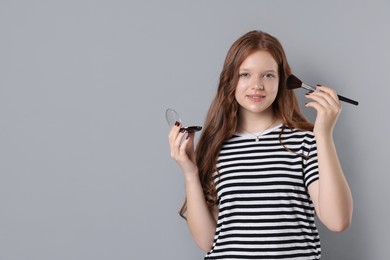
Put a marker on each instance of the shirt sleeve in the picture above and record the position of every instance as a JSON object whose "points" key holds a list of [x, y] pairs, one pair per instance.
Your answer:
{"points": [[310, 160]]}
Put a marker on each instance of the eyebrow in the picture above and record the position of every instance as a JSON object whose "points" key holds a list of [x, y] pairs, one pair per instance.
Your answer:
{"points": [[270, 70]]}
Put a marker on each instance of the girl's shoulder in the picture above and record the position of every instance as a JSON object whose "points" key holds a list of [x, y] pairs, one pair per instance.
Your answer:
{"points": [[288, 129], [287, 132]]}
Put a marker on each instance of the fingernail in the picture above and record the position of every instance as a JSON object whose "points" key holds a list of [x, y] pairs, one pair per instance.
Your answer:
{"points": [[319, 85], [188, 137], [182, 130], [308, 93], [177, 123]]}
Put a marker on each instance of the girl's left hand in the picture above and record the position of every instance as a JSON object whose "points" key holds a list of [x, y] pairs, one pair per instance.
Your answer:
{"points": [[326, 102]]}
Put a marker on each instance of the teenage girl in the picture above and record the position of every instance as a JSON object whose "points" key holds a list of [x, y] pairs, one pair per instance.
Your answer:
{"points": [[261, 171]]}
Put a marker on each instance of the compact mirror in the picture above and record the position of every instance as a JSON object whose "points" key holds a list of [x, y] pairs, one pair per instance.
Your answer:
{"points": [[172, 117]]}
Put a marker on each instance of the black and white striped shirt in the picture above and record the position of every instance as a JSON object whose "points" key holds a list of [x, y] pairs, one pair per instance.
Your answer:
{"points": [[265, 211]]}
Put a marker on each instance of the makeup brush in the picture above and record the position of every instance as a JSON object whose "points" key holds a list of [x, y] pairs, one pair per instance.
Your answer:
{"points": [[293, 82]]}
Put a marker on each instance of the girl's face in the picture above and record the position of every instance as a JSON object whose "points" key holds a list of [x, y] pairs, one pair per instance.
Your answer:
{"points": [[258, 82]]}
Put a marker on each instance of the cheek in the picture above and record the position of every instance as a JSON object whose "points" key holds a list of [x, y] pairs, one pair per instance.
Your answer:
{"points": [[273, 92], [239, 93], [275, 88], [241, 87]]}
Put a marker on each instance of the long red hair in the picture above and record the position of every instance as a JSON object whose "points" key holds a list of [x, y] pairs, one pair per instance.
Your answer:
{"points": [[221, 120]]}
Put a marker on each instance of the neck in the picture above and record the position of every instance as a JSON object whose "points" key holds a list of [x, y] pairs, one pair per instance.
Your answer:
{"points": [[253, 122]]}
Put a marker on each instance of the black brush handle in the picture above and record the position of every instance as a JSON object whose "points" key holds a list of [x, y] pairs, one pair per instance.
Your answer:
{"points": [[342, 98], [350, 101]]}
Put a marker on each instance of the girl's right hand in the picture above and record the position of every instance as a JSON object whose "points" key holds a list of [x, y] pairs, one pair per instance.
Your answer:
{"points": [[182, 151]]}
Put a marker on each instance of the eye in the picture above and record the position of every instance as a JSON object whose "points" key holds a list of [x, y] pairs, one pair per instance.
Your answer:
{"points": [[269, 76], [244, 75]]}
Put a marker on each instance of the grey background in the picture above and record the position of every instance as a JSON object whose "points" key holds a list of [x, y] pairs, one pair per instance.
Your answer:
{"points": [[85, 171]]}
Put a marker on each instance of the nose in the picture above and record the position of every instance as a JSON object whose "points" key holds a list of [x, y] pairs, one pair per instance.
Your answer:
{"points": [[258, 84]]}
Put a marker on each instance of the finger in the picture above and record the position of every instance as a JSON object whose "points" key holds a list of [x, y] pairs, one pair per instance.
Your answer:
{"points": [[187, 147], [185, 144], [190, 140], [325, 98], [175, 147], [174, 132], [318, 98], [175, 137], [316, 105], [178, 141], [323, 108], [331, 94], [191, 136], [328, 90]]}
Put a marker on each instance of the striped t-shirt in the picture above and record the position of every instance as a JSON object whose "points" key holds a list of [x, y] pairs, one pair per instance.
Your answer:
{"points": [[265, 211]]}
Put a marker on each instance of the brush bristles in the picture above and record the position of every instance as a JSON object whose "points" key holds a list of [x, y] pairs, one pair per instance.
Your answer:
{"points": [[293, 82]]}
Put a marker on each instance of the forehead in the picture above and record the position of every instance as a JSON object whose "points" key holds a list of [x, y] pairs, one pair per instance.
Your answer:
{"points": [[259, 60]]}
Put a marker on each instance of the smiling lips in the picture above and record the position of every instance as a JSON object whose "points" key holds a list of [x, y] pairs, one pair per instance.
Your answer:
{"points": [[256, 98]]}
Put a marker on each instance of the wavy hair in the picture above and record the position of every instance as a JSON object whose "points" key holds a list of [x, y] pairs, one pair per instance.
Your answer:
{"points": [[222, 117]]}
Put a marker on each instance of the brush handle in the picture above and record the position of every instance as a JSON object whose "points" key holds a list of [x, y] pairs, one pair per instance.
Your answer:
{"points": [[342, 98], [348, 100]]}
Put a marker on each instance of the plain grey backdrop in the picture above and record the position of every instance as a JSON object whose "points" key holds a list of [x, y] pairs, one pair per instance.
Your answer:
{"points": [[85, 171]]}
